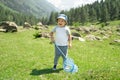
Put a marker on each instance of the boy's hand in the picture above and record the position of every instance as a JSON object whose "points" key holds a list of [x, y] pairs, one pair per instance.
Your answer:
{"points": [[52, 42], [69, 45], [52, 39]]}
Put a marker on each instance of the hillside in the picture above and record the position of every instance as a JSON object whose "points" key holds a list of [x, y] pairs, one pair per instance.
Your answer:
{"points": [[38, 8], [8, 14]]}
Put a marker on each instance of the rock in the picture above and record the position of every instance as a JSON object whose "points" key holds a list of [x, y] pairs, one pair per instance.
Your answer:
{"points": [[86, 30], [115, 42], [81, 39], [41, 35], [102, 32], [39, 24], [79, 29], [118, 34], [45, 35], [78, 38], [26, 25], [118, 41], [118, 29], [98, 38], [105, 37], [76, 34], [8, 26], [92, 37]]}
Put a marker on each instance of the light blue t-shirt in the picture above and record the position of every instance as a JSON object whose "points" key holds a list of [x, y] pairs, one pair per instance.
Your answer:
{"points": [[61, 35]]}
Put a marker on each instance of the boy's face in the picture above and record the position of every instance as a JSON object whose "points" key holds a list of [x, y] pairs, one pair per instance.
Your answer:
{"points": [[61, 22]]}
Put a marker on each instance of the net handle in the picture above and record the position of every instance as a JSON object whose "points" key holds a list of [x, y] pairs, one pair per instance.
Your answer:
{"points": [[60, 50]]}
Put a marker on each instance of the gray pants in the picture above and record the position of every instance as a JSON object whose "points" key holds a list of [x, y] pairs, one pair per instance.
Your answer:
{"points": [[64, 49]]}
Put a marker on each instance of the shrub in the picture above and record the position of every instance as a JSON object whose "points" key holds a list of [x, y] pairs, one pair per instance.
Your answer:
{"points": [[37, 35]]}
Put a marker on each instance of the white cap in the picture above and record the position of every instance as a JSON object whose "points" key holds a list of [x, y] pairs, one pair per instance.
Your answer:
{"points": [[62, 16]]}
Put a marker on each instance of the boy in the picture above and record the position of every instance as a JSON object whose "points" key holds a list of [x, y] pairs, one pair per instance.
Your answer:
{"points": [[62, 38]]}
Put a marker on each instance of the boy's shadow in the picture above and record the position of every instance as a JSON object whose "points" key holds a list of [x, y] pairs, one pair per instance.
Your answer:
{"points": [[36, 72]]}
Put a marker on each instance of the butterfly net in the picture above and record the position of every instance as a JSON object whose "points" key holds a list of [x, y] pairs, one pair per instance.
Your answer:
{"points": [[69, 66]]}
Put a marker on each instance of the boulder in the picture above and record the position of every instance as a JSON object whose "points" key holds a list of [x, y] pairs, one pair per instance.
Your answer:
{"points": [[118, 34], [117, 40], [79, 29], [26, 25], [78, 38], [41, 35], [45, 34], [8, 26], [118, 29], [39, 24], [90, 37], [76, 34]]}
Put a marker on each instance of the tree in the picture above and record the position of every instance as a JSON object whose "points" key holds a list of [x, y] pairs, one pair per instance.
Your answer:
{"points": [[92, 13], [114, 10], [44, 20], [102, 11], [96, 6], [83, 15], [104, 14], [52, 19]]}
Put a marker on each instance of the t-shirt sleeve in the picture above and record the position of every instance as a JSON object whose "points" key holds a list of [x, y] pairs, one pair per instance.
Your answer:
{"points": [[54, 29], [68, 31]]}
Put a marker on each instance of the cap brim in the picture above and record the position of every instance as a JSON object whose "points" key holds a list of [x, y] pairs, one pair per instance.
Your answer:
{"points": [[61, 18]]}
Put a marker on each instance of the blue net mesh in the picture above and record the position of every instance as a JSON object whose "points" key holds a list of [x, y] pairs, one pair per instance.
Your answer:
{"points": [[69, 66]]}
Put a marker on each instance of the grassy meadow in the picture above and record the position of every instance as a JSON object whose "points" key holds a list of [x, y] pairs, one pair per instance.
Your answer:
{"points": [[22, 57]]}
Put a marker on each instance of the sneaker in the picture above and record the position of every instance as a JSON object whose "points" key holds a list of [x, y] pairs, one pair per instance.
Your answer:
{"points": [[54, 67]]}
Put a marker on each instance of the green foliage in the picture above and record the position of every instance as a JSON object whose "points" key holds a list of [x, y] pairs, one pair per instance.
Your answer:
{"points": [[76, 24], [104, 24], [37, 35], [36, 27], [53, 17]]}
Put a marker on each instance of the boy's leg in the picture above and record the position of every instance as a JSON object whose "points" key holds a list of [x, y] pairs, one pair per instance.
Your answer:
{"points": [[54, 67], [65, 51], [56, 58]]}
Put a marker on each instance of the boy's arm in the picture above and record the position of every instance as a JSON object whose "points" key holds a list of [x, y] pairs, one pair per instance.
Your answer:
{"points": [[52, 36], [69, 41]]}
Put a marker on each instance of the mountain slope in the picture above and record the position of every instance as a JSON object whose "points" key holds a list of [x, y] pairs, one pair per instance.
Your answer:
{"points": [[38, 8]]}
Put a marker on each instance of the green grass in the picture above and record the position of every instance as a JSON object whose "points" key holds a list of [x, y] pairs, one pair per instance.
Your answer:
{"points": [[24, 58], [110, 23], [115, 23]]}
